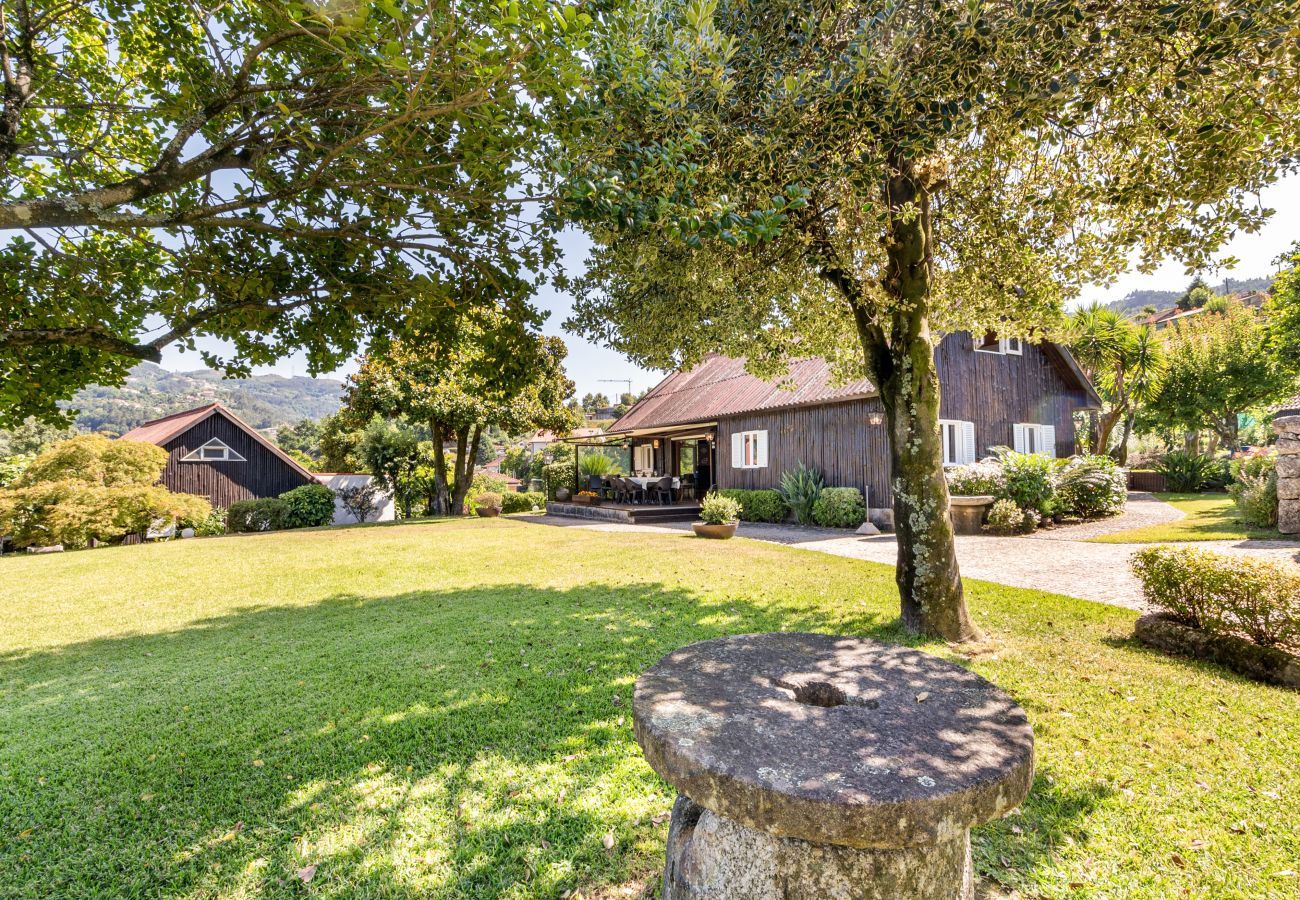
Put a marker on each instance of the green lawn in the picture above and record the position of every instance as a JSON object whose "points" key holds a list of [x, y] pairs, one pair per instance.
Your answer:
{"points": [[442, 710], [1210, 517]]}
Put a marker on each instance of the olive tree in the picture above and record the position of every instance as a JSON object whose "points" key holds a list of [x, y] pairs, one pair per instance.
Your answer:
{"points": [[779, 178]]}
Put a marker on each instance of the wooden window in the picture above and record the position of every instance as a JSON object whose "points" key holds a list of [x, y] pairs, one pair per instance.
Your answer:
{"points": [[1012, 346], [749, 450], [958, 441], [214, 450], [1028, 437], [991, 343], [645, 458]]}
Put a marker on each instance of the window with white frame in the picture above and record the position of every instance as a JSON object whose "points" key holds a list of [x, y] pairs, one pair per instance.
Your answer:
{"points": [[214, 450], [991, 343], [1028, 437], [749, 450], [645, 458], [958, 439]]}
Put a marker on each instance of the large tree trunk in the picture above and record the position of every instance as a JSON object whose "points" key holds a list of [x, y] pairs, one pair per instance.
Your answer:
{"points": [[466, 452], [1122, 456], [900, 358], [442, 493]]}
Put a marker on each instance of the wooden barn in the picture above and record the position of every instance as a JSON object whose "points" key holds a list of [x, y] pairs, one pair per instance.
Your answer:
{"points": [[717, 426], [213, 453]]}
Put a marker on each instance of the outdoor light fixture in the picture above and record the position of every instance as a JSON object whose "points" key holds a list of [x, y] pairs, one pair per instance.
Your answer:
{"points": [[875, 418], [656, 445]]}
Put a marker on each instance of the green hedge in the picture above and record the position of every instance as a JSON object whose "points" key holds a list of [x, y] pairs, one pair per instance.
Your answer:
{"points": [[309, 506], [1257, 598], [266, 514], [757, 506], [839, 507], [558, 475], [515, 502]]}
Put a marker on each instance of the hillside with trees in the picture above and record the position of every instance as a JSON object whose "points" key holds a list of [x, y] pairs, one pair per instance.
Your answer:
{"points": [[1135, 301], [263, 401]]}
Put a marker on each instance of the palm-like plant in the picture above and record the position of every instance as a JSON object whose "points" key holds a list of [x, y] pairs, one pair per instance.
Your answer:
{"points": [[1125, 362]]}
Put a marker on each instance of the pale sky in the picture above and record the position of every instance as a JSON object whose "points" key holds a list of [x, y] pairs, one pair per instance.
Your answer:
{"points": [[588, 364]]}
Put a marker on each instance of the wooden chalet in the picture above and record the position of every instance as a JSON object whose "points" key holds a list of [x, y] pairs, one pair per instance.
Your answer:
{"points": [[215, 454], [718, 426]]}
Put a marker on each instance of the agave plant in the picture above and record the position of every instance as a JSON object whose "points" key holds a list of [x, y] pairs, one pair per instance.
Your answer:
{"points": [[800, 488]]}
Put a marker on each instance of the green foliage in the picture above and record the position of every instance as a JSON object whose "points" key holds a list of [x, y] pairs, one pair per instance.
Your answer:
{"points": [[391, 451], [1218, 366], [839, 507], [517, 463], [1124, 361], [977, 479], [211, 525], [1197, 295], [715, 509], [800, 488], [1259, 599], [1254, 490], [12, 467], [32, 436], [757, 506], [1030, 481], [303, 438], [1283, 312], [517, 502], [1187, 473], [340, 446], [558, 475], [488, 500], [88, 488], [597, 463], [282, 176], [1006, 517], [308, 506], [262, 514], [1091, 486]]}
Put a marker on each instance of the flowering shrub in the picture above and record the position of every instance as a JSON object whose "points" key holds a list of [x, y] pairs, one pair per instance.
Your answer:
{"points": [[1007, 518], [719, 510], [1254, 598], [977, 479], [1091, 486]]}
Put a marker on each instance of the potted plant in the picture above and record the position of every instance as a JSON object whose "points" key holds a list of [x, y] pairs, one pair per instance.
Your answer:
{"points": [[563, 494], [488, 504], [972, 490], [719, 517], [590, 498]]}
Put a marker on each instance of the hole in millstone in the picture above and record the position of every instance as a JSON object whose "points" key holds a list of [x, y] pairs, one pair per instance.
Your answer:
{"points": [[819, 693]]}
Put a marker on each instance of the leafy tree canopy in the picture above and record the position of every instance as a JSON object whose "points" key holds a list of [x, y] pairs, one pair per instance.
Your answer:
{"points": [[281, 174], [791, 177]]}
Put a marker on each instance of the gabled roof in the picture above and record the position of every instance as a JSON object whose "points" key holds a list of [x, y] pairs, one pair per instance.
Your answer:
{"points": [[160, 431], [720, 386]]}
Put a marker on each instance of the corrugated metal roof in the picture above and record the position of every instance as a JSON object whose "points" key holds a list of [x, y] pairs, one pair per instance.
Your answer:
{"points": [[720, 386]]}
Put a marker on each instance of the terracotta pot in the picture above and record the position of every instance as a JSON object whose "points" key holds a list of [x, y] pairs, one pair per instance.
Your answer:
{"points": [[717, 532], [969, 512], [488, 512]]}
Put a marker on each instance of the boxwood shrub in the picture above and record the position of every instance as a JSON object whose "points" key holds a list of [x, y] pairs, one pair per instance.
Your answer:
{"points": [[516, 502], [309, 506], [265, 514], [558, 475], [1253, 598], [757, 506], [839, 507]]}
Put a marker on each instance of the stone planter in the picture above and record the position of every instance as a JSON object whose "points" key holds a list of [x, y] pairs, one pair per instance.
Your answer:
{"points": [[969, 512], [1167, 632], [819, 766], [488, 512], [563, 494], [1288, 473], [716, 532]]}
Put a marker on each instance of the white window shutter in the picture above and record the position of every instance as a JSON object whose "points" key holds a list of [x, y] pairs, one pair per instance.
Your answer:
{"points": [[737, 451], [760, 453], [968, 442], [1049, 440], [1018, 438]]}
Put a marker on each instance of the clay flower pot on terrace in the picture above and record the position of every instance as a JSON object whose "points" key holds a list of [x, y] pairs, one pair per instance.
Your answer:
{"points": [[717, 532], [969, 512], [488, 512]]}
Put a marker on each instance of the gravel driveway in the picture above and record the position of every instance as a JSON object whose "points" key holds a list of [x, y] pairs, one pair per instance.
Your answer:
{"points": [[1056, 560]]}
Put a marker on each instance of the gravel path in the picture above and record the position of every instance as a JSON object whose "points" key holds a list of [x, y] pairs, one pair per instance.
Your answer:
{"points": [[1056, 560]]}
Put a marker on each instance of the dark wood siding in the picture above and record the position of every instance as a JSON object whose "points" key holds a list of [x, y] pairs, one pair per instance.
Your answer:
{"points": [[263, 475], [993, 391]]}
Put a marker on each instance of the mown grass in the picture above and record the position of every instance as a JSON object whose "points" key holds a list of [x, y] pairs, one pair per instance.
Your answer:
{"points": [[442, 710], [1209, 517]]}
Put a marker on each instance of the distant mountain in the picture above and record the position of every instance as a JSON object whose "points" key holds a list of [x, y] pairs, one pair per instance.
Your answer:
{"points": [[263, 401], [1136, 300]]}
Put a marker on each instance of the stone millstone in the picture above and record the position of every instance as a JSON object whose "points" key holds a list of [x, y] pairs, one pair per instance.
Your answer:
{"points": [[834, 740]]}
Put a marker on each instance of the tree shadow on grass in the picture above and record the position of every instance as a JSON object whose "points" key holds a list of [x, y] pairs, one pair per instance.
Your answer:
{"points": [[458, 743]]}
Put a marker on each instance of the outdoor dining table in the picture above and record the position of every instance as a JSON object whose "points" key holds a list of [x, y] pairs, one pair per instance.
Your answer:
{"points": [[653, 479]]}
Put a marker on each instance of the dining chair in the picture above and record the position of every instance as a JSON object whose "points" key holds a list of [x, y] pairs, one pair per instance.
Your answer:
{"points": [[663, 490]]}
